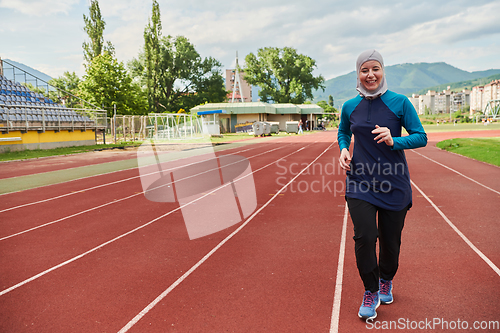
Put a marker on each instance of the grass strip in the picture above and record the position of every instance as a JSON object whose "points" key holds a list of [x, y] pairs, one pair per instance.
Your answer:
{"points": [[481, 149], [461, 127], [37, 153]]}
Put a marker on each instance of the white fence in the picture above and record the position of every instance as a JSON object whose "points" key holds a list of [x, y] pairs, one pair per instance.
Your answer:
{"points": [[156, 126]]}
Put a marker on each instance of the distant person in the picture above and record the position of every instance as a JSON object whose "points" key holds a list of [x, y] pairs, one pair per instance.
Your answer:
{"points": [[300, 127], [377, 177]]}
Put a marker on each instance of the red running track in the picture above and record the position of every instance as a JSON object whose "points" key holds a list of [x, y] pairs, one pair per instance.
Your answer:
{"points": [[107, 259]]}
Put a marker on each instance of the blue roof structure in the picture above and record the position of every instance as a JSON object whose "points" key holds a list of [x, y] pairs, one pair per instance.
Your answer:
{"points": [[211, 112]]}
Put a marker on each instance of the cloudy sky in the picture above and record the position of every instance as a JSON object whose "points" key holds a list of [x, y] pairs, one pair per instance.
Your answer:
{"points": [[48, 34]]}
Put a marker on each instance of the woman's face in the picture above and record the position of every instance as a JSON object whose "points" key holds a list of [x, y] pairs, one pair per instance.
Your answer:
{"points": [[371, 74]]}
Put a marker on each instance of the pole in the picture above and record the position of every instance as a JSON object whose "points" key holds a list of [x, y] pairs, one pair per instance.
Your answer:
{"points": [[114, 121], [105, 127]]}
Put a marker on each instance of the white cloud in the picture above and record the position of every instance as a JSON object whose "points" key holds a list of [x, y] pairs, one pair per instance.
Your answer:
{"points": [[39, 7]]}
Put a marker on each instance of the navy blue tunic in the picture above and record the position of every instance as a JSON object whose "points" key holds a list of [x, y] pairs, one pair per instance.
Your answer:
{"points": [[379, 173]]}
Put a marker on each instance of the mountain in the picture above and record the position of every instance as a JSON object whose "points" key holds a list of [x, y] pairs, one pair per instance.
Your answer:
{"points": [[403, 78], [19, 75], [459, 86]]}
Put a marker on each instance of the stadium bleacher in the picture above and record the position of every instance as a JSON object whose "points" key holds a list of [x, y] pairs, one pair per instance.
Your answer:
{"points": [[23, 109]]}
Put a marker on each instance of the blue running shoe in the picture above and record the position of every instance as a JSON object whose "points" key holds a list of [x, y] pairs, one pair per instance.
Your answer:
{"points": [[385, 291], [371, 302]]}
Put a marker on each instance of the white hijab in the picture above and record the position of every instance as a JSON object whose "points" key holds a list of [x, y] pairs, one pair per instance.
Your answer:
{"points": [[382, 88]]}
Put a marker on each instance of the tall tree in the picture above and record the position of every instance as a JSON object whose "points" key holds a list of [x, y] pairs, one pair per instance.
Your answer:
{"points": [[173, 72], [94, 27], [152, 57], [283, 75]]}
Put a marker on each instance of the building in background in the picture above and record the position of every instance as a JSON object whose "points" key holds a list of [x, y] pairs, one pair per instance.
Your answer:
{"points": [[240, 90], [244, 92], [482, 95], [445, 101]]}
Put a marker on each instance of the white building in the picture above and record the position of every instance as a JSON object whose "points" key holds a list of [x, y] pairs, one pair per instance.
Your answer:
{"points": [[440, 102]]}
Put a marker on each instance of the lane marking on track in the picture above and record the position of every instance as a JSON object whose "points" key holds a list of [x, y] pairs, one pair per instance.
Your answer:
{"points": [[334, 325], [5, 291], [457, 172], [118, 200], [466, 240], [209, 254], [93, 187]]}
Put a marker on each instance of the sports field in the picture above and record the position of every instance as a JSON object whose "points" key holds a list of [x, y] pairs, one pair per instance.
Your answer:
{"points": [[83, 250]]}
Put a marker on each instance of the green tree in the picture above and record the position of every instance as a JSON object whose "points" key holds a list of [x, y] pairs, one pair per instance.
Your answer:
{"points": [[172, 71], [94, 27], [328, 109], [283, 75], [68, 89], [330, 100], [107, 82], [149, 61]]}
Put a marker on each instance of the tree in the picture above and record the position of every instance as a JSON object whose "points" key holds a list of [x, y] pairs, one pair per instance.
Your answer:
{"points": [[151, 58], [68, 88], [173, 72], [107, 83], [283, 75], [330, 100], [328, 109], [94, 27]]}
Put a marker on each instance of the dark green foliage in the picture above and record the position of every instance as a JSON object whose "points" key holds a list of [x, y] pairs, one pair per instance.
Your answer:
{"points": [[107, 83], [283, 75]]}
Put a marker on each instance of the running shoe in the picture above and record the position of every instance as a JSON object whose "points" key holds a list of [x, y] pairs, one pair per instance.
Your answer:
{"points": [[371, 302], [385, 291]]}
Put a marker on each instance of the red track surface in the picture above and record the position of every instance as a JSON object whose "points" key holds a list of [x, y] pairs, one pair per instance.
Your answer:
{"points": [[277, 274]]}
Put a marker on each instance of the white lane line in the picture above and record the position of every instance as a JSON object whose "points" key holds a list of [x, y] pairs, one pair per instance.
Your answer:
{"points": [[459, 173], [334, 325], [466, 240], [93, 187], [209, 254], [3, 292], [119, 200]]}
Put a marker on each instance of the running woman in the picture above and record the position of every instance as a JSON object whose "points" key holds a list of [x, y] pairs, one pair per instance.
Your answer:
{"points": [[377, 176]]}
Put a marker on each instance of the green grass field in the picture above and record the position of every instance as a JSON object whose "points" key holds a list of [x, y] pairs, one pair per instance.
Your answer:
{"points": [[481, 149]]}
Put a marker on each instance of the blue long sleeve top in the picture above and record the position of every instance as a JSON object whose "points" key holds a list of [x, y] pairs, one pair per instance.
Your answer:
{"points": [[379, 174]]}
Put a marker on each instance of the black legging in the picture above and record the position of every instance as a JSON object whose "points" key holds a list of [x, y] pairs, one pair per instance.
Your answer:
{"points": [[390, 226]]}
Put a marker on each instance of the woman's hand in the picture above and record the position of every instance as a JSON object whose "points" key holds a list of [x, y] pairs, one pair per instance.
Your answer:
{"points": [[345, 159], [384, 135]]}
